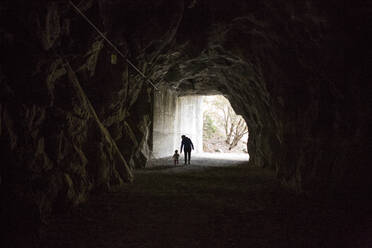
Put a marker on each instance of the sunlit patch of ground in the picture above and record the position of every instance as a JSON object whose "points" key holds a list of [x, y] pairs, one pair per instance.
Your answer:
{"points": [[204, 159], [224, 156]]}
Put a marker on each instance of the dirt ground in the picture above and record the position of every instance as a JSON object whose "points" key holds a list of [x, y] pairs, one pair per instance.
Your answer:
{"points": [[213, 202]]}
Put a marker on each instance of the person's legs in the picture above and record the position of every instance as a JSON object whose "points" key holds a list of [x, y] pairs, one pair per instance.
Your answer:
{"points": [[189, 156]]}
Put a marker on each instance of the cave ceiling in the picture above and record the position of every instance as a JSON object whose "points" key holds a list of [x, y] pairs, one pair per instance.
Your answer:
{"points": [[291, 68], [194, 47]]}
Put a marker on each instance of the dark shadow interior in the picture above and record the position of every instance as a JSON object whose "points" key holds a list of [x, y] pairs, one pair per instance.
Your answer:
{"points": [[74, 122]]}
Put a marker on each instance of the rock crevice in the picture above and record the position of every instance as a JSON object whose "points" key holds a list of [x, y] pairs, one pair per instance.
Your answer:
{"points": [[297, 72]]}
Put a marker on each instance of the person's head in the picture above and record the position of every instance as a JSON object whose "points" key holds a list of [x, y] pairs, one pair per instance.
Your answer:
{"points": [[183, 136], [176, 151]]}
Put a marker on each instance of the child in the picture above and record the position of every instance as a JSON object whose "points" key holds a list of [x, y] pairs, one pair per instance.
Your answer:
{"points": [[175, 157]]}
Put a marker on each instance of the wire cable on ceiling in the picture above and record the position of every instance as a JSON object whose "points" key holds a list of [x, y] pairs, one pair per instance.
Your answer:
{"points": [[112, 45]]}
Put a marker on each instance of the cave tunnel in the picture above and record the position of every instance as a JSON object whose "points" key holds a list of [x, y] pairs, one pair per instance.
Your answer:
{"points": [[77, 116], [176, 114]]}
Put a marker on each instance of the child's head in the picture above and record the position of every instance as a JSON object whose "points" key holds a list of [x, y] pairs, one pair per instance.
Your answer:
{"points": [[176, 151]]}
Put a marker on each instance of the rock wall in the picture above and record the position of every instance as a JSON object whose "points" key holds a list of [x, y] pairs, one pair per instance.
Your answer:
{"points": [[297, 71], [175, 116], [73, 119]]}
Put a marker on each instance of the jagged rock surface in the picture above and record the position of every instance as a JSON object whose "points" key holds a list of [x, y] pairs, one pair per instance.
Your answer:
{"points": [[293, 73], [59, 142], [291, 69]]}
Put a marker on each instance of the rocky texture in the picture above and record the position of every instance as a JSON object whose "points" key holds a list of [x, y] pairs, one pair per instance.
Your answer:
{"points": [[67, 132], [297, 72]]}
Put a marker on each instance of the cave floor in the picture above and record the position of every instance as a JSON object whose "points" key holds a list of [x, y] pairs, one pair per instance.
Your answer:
{"points": [[202, 206]]}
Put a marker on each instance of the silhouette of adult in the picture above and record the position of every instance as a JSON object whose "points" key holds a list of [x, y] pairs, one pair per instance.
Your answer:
{"points": [[187, 144]]}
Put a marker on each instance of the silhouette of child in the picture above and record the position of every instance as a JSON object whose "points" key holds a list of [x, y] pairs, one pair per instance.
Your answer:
{"points": [[176, 157]]}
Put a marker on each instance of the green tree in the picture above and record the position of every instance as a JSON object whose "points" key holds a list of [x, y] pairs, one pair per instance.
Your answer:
{"points": [[209, 127]]}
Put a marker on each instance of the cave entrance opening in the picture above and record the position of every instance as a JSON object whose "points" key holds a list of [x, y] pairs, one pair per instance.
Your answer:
{"points": [[175, 116], [223, 130], [199, 118]]}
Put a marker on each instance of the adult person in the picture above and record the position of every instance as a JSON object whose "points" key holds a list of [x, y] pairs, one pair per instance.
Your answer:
{"points": [[187, 144]]}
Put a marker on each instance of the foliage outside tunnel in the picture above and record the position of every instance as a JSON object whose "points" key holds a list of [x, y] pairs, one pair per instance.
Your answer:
{"points": [[223, 130]]}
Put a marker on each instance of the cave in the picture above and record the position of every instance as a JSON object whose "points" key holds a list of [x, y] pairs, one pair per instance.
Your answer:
{"points": [[83, 85], [175, 116]]}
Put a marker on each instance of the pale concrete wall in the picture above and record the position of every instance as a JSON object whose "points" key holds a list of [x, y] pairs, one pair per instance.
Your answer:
{"points": [[165, 112], [190, 121], [174, 116]]}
